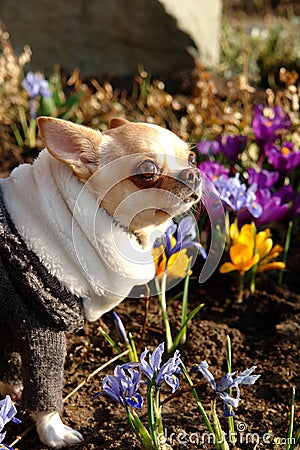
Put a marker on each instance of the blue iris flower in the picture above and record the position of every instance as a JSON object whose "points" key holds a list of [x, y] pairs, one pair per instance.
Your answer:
{"points": [[185, 238], [167, 372], [7, 414], [35, 84], [227, 382], [236, 196], [123, 386]]}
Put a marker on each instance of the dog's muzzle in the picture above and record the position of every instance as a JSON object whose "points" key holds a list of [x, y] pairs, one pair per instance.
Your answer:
{"points": [[191, 178]]}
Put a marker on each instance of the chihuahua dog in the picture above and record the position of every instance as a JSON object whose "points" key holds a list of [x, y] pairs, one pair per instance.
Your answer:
{"points": [[76, 232]]}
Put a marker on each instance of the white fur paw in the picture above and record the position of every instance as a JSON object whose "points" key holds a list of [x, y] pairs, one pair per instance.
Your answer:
{"points": [[13, 390], [53, 433]]}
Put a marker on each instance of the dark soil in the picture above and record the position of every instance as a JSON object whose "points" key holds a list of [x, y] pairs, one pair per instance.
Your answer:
{"points": [[264, 330]]}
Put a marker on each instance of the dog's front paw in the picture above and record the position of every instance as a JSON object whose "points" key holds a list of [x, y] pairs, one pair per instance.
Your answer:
{"points": [[53, 433]]}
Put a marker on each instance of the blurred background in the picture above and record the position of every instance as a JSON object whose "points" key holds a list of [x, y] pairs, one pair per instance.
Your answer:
{"points": [[115, 38]]}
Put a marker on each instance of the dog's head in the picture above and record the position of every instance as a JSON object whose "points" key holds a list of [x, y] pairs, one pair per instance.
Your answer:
{"points": [[141, 174]]}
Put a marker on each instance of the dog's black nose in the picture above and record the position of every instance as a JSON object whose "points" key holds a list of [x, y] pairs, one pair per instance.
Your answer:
{"points": [[190, 177]]}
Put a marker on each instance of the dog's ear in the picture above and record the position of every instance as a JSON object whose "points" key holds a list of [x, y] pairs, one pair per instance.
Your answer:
{"points": [[116, 122], [75, 145]]}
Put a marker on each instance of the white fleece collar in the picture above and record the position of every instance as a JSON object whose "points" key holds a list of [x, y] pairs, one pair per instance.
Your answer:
{"points": [[77, 241]]}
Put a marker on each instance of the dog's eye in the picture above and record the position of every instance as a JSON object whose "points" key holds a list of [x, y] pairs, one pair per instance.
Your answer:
{"points": [[192, 159], [148, 170]]}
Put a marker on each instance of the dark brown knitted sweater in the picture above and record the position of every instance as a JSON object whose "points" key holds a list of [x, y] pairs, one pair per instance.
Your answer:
{"points": [[35, 313]]}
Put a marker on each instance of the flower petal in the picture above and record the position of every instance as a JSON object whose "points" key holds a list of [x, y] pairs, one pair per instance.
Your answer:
{"points": [[227, 267], [121, 328], [234, 402], [246, 378], [203, 368], [172, 381], [225, 382], [136, 401], [145, 367], [155, 358], [275, 265]]}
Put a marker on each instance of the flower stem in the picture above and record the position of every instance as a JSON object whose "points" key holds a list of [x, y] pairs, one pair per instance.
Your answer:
{"points": [[241, 288], [32, 133], [112, 343], [185, 303], [151, 413], [254, 268], [17, 136], [132, 349], [291, 424], [286, 248], [232, 433], [163, 305], [141, 432], [227, 228], [220, 442], [196, 397], [180, 332], [130, 419], [157, 409]]}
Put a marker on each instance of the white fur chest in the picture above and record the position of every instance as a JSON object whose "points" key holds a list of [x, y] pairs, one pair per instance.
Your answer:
{"points": [[76, 240]]}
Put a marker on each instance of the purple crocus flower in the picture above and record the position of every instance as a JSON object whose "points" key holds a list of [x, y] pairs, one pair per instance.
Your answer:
{"points": [[7, 414], [227, 382], [166, 372], [232, 146], [269, 123], [35, 84], [274, 205], [283, 158], [208, 148], [123, 385], [236, 196], [285, 192], [186, 235], [262, 178], [213, 169]]}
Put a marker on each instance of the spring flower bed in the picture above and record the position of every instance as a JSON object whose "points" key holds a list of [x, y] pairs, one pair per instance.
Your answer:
{"points": [[200, 360]]}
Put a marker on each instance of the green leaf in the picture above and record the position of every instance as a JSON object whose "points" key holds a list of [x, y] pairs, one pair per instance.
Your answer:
{"points": [[70, 104], [185, 298], [291, 424], [47, 107], [145, 437], [182, 328], [229, 369], [196, 397], [112, 343], [221, 439]]}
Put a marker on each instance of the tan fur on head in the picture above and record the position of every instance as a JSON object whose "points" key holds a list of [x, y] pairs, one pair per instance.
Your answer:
{"points": [[110, 162], [116, 122]]}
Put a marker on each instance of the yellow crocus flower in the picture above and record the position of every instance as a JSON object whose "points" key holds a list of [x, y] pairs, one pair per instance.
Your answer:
{"points": [[249, 248], [267, 253], [177, 264], [242, 251]]}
